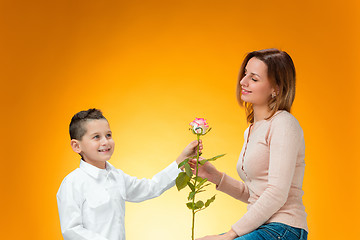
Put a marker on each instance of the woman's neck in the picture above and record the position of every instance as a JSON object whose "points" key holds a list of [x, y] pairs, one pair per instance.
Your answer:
{"points": [[261, 113]]}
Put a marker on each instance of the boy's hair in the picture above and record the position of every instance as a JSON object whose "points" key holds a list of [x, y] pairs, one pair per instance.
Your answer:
{"points": [[76, 128]]}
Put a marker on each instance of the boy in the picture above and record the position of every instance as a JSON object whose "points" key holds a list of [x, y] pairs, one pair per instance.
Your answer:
{"points": [[91, 199]]}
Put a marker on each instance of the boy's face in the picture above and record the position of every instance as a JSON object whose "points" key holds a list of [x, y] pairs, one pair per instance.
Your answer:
{"points": [[97, 145]]}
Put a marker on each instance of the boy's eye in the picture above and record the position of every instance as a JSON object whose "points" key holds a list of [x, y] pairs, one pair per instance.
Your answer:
{"points": [[96, 136], [108, 135]]}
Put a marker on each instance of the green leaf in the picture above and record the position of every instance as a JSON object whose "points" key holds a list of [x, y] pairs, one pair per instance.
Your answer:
{"points": [[201, 183], [202, 162], [190, 205], [182, 180], [191, 186], [188, 170], [191, 195], [183, 162], [210, 201], [198, 179], [216, 157], [199, 204], [204, 186]]}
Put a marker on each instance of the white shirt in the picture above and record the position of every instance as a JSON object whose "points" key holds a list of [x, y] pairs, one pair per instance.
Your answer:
{"points": [[91, 200]]}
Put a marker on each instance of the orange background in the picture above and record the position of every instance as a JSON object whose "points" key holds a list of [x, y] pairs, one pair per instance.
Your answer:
{"points": [[153, 66]]}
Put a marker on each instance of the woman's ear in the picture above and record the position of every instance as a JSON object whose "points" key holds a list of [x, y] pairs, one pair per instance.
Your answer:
{"points": [[276, 90], [75, 145]]}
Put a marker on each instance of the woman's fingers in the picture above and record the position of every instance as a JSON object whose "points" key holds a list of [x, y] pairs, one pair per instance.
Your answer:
{"points": [[192, 163]]}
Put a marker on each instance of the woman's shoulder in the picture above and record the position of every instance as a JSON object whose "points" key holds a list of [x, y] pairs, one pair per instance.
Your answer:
{"points": [[283, 118]]}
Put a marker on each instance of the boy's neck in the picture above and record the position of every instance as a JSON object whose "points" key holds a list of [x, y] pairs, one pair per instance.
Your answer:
{"points": [[98, 164]]}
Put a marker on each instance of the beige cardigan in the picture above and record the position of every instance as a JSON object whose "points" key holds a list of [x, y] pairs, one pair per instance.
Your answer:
{"points": [[271, 164]]}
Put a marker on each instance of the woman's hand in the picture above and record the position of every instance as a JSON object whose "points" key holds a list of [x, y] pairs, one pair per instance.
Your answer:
{"points": [[230, 235], [207, 171], [189, 151]]}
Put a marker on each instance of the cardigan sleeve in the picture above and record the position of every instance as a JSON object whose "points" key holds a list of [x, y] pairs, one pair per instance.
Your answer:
{"points": [[284, 141], [236, 189]]}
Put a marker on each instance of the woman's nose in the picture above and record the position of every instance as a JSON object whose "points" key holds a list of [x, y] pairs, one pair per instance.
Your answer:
{"points": [[244, 81]]}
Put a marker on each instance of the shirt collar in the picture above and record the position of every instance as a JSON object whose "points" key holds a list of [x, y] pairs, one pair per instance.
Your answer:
{"points": [[95, 171]]}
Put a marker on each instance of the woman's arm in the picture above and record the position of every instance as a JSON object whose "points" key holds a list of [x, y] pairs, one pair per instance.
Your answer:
{"points": [[236, 189], [223, 182], [230, 235]]}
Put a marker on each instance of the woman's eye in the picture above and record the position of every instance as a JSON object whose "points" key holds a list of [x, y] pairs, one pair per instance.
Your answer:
{"points": [[254, 79]]}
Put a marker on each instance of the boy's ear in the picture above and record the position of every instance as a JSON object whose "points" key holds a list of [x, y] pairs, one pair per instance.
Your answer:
{"points": [[75, 145]]}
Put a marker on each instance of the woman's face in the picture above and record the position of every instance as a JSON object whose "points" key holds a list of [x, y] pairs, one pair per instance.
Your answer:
{"points": [[256, 87]]}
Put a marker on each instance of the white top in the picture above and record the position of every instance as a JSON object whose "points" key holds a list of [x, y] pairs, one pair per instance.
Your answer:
{"points": [[91, 200]]}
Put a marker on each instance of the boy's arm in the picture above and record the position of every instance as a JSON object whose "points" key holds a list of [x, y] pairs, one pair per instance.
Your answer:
{"points": [[69, 202], [138, 190]]}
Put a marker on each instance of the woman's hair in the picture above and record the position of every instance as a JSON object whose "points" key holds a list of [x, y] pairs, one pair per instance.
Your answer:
{"points": [[281, 74]]}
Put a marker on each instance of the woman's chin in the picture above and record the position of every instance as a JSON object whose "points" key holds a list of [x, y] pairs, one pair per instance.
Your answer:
{"points": [[245, 99]]}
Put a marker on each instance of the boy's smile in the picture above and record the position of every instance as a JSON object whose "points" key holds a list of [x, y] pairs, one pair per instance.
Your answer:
{"points": [[97, 145]]}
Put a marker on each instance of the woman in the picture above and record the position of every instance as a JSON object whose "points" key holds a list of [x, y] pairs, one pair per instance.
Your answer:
{"points": [[271, 163]]}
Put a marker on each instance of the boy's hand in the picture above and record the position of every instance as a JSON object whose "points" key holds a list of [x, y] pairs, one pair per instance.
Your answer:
{"points": [[189, 151]]}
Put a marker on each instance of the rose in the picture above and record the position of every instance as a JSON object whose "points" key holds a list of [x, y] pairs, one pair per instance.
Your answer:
{"points": [[199, 126], [189, 178]]}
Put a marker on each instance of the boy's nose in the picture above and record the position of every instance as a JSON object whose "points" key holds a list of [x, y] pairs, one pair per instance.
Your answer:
{"points": [[104, 141]]}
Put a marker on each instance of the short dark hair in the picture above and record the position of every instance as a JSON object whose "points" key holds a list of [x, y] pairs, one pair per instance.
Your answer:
{"points": [[76, 128]]}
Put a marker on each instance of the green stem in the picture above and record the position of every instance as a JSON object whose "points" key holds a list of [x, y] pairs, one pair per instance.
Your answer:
{"points": [[196, 175]]}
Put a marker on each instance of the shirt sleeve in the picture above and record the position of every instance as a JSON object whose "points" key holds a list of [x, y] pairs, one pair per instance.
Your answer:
{"points": [[284, 141], [69, 203], [236, 189], [138, 190]]}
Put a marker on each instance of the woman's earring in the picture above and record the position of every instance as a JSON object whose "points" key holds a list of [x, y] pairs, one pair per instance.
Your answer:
{"points": [[273, 95]]}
